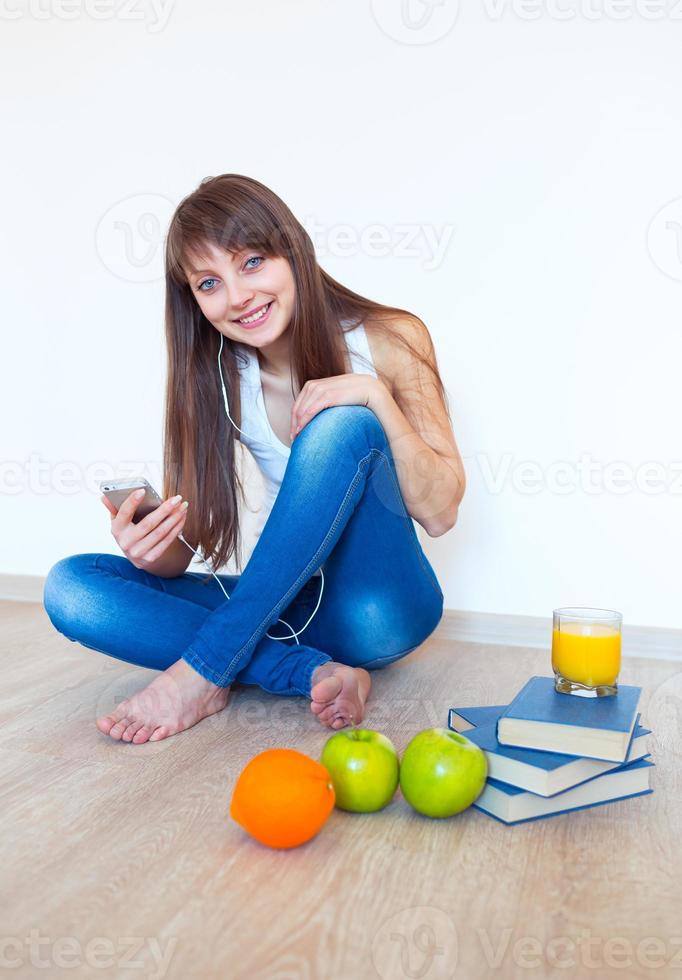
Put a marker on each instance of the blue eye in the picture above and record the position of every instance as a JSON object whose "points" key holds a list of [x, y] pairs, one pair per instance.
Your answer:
{"points": [[254, 258]]}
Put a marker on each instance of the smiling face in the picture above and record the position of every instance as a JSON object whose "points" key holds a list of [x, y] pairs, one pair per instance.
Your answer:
{"points": [[231, 287]]}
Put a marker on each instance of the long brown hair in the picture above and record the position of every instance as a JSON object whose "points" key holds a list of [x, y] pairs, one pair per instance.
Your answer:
{"points": [[233, 212]]}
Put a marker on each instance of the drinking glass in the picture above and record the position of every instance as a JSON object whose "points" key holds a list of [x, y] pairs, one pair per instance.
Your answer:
{"points": [[586, 647]]}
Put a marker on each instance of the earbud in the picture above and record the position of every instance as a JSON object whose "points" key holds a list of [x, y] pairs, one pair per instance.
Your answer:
{"points": [[293, 635]]}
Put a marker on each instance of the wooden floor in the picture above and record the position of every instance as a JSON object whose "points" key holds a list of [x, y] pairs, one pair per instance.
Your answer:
{"points": [[121, 861]]}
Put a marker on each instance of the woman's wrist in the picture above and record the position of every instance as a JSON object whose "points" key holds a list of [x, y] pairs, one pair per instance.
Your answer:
{"points": [[379, 394]]}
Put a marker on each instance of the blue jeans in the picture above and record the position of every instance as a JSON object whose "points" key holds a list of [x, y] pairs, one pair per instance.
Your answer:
{"points": [[340, 508]]}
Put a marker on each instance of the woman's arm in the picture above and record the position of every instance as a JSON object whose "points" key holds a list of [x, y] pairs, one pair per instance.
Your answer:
{"points": [[173, 562], [409, 406], [432, 483], [428, 464]]}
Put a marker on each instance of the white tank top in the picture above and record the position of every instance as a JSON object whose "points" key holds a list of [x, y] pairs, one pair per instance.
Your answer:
{"points": [[269, 452]]}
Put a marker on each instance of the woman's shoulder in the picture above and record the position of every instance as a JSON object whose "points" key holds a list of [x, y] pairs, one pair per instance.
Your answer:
{"points": [[390, 338]]}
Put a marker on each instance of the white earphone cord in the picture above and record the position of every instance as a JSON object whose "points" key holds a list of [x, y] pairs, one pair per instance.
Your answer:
{"points": [[294, 634]]}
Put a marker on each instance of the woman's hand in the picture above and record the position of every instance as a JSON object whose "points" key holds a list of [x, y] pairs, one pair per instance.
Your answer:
{"points": [[144, 543], [343, 389]]}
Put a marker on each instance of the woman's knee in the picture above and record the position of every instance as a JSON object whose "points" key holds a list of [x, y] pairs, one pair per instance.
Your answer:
{"points": [[64, 588], [337, 422], [376, 633]]}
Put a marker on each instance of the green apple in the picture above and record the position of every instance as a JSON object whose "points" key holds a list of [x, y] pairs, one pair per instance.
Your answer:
{"points": [[364, 768], [442, 772]]}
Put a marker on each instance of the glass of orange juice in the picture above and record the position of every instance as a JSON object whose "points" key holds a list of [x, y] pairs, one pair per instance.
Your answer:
{"points": [[586, 651]]}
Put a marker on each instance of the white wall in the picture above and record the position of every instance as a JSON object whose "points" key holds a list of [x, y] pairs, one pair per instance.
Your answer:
{"points": [[541, 149]]}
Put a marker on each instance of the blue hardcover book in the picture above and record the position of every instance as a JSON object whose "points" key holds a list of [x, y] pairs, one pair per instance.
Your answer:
{"points": [[464, 719], [597, 728], [513, 805], [546, 773]]}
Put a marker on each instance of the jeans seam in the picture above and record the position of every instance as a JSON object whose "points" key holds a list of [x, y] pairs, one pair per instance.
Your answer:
{"points": [[391, 658], [395, 656], [310, 566], [387, 660]]}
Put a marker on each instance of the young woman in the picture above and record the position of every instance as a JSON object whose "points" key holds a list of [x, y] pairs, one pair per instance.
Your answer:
{"points": [[340, 401]]}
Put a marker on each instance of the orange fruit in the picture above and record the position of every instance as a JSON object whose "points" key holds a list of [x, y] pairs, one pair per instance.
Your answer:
{"points": [[282, 798]]}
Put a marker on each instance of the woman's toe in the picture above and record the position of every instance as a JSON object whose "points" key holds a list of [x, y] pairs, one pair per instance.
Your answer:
{"points": [[327, 689], [130, 731], [142, 734], [329, 713], [105, 724], [158, 733], [118, 729]]}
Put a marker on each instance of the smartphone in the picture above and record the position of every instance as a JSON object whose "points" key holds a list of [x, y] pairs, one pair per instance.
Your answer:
{"points": [[118, 490]]}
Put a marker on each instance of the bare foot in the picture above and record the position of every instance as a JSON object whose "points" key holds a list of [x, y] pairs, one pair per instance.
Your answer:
{"points": [[339, 693], [174, 701]]}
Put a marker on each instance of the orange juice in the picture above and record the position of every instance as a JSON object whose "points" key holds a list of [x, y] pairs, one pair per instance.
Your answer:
{"points": [[588, 653]]}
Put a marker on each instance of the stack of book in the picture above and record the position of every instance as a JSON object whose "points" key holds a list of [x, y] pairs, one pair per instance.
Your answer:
{"points": [[549, 753]]}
